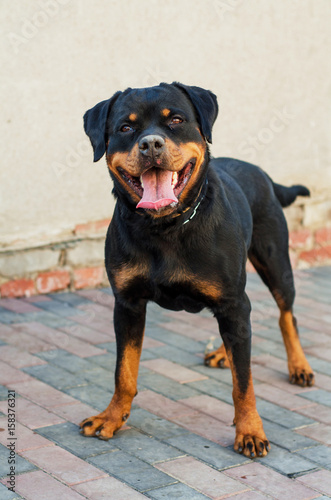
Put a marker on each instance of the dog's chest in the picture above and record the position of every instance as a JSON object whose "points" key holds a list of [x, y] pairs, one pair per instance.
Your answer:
{"points": [[168, 280]]}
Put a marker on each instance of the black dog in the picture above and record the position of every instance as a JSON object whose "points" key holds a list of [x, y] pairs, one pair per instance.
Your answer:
{"points": [[183, 227]]}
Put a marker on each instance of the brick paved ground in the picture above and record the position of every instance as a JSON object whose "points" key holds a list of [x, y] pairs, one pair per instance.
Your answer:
{"points": [[58, 353]]}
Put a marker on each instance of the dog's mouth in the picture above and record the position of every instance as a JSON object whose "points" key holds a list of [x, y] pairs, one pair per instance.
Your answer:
{"points": [[159, 188]]}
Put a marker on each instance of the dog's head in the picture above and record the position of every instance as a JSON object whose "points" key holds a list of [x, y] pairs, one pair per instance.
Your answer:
{"points": [[155, 140]]}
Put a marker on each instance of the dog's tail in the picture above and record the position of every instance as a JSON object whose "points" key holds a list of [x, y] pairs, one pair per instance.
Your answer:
{"points": [[287, 195]]}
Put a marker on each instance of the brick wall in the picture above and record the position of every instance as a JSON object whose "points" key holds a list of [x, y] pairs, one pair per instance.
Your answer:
{"points": [[78, 261], [74, 263]]}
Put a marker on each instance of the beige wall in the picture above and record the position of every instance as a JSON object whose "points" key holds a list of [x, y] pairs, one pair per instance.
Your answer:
{"points": [[268, 62]]}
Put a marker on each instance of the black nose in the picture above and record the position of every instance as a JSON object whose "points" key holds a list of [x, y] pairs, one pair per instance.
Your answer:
{"points": [[151, 145]]}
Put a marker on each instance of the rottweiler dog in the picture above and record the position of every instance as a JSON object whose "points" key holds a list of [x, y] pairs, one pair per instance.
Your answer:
{"points": [[183, 227]]}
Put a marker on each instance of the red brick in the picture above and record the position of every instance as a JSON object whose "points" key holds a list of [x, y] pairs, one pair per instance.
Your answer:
{"points": [[18, 358], [201, 477], [98, 226], [40, 393], [271, 483], [18, 288], [208, 427], [319, 432], [300, 239], [320, 480], [283, 398], [19, 306], [9, 375], [74, 413], [107, 487], [323, 235], [31, 415], [26, 438], [33, 485], [52, 281], [88, 277], [63, 465], [172, 370], [317, 412], [316, 255], [162, 406], [211, 406]]}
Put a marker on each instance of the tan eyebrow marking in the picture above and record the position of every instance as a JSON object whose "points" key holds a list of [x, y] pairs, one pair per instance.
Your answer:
{"points": [[165, 112], [133, 117]]}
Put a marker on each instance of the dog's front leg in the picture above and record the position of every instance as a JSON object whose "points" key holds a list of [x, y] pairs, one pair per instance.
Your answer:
{"points": [[234, 324], [129, 326]]}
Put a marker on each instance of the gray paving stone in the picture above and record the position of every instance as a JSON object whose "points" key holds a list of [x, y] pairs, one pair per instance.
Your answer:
{"points": [[154, 426], [67, 436], [166, 386], [106, 361], [177, 490], [146, 355], [214, 388], [66, 360], [3, 393], [70, 298], [131, 470], [319, 454], [5, 494], [55, 377], [45, 317], [8, 317], [281, 416], [176, 355], [21, 465], [92, 395], [207, 451], [109, 346], [286, 438], [179, 341], [100, 377], [274, 348], [59, 308], [318, 396], [223, 375], [289, 464], [319, 365], [145, 447]]}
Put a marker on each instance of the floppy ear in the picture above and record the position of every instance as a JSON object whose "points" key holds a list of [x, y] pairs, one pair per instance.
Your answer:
{"points": [[95, 120], [205, 104]]}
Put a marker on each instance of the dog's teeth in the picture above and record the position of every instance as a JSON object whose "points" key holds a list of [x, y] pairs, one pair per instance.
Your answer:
{"points": [[141, 182], [174, 179]]}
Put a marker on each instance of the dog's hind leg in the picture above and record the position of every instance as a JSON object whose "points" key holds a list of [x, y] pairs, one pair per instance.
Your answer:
{"points": [[217, 358], [269, 255]]}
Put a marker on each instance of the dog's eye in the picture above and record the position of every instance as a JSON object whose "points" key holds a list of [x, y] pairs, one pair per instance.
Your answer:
{"points": [[175, 120], [126, 128]]}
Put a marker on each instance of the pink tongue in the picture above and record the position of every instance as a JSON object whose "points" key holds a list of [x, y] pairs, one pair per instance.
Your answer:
{"points": [[158, 191]]}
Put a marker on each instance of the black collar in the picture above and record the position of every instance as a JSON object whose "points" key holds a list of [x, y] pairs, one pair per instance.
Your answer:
{"points": [[197, 202]]}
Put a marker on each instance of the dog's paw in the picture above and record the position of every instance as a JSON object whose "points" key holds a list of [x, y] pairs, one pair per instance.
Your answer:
{"points": [[251, 440], [301, 374], [252, 446], [217, 359], [101, 426]]}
